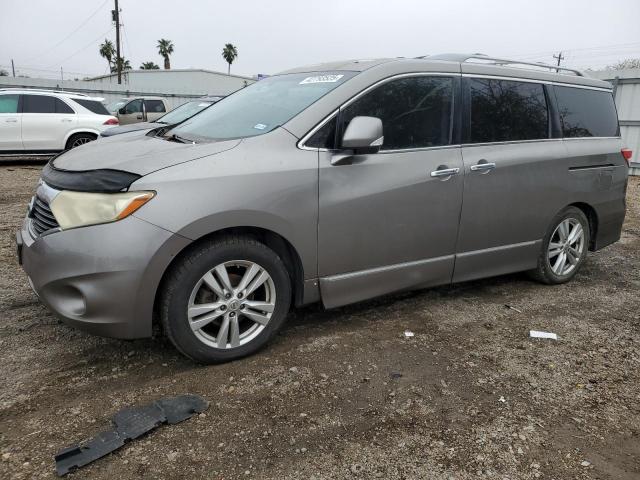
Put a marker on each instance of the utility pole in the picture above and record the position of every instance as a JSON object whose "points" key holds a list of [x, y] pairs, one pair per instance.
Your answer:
{"points": [[13, 69], [559, 57], [116, 18]]}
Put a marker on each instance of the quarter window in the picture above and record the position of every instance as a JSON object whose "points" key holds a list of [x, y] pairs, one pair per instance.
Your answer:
{"points": [[62, 107], [93, 106], [8, 103], [415, 112], [586, 113], [325, 137], [504, 110]]}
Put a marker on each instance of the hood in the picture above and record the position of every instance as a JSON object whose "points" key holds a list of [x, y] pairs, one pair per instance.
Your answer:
{"points": [[130, 128], [136, 153]]}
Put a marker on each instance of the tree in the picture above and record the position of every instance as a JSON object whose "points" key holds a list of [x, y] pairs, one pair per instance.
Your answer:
{"points": [[229, 53], [124, 65], [4, 73], [108, 51], [165, 48], [625, 64], [149, 66]]}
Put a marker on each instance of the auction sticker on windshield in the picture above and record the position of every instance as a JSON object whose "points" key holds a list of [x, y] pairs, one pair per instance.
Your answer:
{"points": [[322, 79]]}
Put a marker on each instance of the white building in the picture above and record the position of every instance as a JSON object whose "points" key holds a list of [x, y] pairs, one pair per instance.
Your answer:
{"points": [[196, 81]]}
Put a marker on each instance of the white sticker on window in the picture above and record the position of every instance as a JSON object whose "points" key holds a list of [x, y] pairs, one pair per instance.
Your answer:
{"points": [[321, 79], [260, 126]]}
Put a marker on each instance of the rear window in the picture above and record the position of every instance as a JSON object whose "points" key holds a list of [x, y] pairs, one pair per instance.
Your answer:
{"points": [[93, 106], [505, 110], [8, 103], [586, 113], [154, 106]]}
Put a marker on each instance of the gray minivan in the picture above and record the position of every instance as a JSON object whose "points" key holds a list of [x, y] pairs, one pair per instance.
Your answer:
{"points": [[333, 183]]}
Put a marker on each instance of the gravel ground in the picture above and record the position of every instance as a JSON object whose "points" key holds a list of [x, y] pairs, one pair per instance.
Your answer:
{"points": [[343, 393]]}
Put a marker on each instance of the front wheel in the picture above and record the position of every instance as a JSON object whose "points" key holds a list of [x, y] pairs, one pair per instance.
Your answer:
{"points": [[564, 247], [225, 299]]}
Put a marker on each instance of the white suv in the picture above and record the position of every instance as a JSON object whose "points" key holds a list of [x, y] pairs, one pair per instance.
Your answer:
{"points": [[43, 121]]}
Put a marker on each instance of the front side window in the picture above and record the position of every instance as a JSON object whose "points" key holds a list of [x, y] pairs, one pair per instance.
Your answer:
{"points": [[9, 103], [134, 106], [586, 113], [38, 104], [261, 107], [154, 106], [505, 110], [416, 112]]}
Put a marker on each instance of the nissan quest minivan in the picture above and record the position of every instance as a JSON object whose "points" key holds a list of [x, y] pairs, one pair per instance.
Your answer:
{"points": [[333, 183]]}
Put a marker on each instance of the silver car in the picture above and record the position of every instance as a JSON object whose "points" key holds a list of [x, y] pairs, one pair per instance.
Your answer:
{"points": [[334, 183]]}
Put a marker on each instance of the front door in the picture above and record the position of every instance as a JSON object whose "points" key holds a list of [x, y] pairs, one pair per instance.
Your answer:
{"points": [[10, 123], [132, 112], [388, 221]]}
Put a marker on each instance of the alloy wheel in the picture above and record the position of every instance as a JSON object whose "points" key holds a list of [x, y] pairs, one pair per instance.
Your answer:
{"points": [[566, 246], [80, 141], [231, 304]]}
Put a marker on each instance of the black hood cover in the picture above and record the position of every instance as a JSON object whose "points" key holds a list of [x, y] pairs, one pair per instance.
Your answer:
{"points": [[104, 180]]}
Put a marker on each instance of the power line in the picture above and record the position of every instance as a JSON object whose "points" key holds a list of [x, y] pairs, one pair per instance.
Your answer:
{"points": [[83, 48], [68, 36]]}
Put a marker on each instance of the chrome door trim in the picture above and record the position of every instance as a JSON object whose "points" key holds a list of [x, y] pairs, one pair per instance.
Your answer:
{"points": [[497, 249], [386, 268]]}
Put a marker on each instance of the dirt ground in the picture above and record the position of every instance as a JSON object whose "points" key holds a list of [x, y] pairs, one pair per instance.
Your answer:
{"points": [[343, 393]]}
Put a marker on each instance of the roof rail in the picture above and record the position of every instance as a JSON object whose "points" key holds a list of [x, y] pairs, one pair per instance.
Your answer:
{"points": [[44, 90], [463, 57]]}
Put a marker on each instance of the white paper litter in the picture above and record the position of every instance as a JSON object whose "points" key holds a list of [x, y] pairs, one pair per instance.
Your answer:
{"points": [[502, 399], [408, 333], [538, 334]]}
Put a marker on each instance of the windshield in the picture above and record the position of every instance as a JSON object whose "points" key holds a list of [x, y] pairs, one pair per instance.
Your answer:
{"points": [[184, 111], [260, 107], [115, 106]]}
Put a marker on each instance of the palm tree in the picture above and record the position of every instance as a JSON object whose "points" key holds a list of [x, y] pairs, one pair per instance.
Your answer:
{"points": [[165, 48], [149, 66], [108, 51], [124, 65], [229, 53]]}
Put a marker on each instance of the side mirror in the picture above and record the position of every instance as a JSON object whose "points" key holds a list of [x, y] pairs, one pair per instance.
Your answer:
{"points": [[363, 135], [122, 111]]}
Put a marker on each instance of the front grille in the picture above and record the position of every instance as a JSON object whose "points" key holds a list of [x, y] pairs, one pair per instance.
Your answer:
{"points": [[42, 218]]}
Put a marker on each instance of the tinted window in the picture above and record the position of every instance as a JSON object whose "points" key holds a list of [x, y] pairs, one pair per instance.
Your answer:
{"points": [[415, 112], [261, 107], [8, 103], [586, 113], [62, 107], [154, 106], [38, 104], [93, 106], [325, 137], [134, 106], [503, 111]]}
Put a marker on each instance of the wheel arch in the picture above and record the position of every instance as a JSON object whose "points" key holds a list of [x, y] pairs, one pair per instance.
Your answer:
{"points": [[279, 244], [592, 217], [89, 131]]}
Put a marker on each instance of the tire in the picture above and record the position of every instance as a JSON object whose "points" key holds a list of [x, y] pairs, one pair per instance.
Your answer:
{"points": [[549, 271], [79, 139], [195, 327]]}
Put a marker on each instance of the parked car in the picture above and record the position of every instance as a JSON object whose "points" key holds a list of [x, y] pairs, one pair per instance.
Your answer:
{"points": [[45, 121], [168, 120], [333, 183], [113, 107], [141, 109]]}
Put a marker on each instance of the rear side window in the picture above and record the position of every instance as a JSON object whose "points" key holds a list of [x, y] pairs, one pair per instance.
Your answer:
{"points": [[504, 110], [93, 106], [586, 113], [9, 103], [415, 112], [62, 107], [154, 106]]}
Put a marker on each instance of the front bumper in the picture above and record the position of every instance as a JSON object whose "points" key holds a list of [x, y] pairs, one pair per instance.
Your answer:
{"points": [[102, 278]]}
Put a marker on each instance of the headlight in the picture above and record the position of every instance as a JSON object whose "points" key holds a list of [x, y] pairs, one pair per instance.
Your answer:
{"points": [[79, 209]]}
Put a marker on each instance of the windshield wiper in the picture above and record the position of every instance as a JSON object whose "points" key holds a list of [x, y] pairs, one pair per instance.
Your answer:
{"points": [[179, 139]]}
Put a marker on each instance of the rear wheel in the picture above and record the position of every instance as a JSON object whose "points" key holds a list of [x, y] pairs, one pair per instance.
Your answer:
{"points": [[564, 247], [79, 139], [225, 299]]}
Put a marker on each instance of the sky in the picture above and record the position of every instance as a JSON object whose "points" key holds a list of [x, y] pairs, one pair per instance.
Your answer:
{"points": [[43, 36]]}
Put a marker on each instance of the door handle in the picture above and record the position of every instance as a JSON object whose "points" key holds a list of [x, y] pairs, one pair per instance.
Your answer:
{"points": [[483, 166], [66, 120], [11, 120], [445, 172], [139, 117]]}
